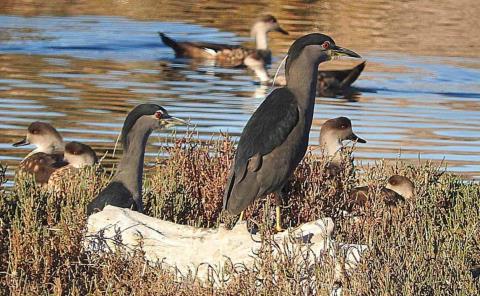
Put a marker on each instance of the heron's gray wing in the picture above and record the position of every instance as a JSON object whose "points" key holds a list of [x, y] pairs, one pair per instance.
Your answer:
{"points": [[267, 129]]}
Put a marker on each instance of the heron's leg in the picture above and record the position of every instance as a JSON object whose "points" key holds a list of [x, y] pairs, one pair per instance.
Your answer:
{"points": [[241, 216], [278, 205]]}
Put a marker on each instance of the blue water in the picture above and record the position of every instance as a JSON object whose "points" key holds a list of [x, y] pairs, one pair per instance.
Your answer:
{"points": [[84, 73]]}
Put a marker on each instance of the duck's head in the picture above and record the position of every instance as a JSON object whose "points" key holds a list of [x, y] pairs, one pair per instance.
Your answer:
{"points": [[401, 185], [339, 129], [79, 155], [265, 24], [44, 136]]}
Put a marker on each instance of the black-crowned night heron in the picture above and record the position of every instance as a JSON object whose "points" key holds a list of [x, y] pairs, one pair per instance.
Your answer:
{"points": [[125, 189], [275, 138], [230, 54]]}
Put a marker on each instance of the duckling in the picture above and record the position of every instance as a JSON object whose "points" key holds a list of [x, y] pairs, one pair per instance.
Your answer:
{"points": [[332, 134], [233, 55], [78, 156], [397, 190], [48, 154]]}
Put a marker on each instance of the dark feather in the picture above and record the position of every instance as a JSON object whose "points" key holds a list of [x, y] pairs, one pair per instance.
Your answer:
{"points": [[358, 198], [267, 129], [41, 165], [182, 48], [115, 194], [340, 78], [134, 115], [297, 47]]}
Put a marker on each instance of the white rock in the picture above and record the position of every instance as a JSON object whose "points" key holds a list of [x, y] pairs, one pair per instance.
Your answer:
{"points": [[194, 250]]}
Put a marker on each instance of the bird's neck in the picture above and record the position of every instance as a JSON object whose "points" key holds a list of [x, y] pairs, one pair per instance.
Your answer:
{"points": [[130, 168], [302, 81], [49, 148], [261, 38], [331, 146]]}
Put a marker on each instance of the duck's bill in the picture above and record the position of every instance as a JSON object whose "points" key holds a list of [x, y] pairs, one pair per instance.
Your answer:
{"points": [[340, 51], [172, 121], [23, 142], [279, 29], [357, 139]]}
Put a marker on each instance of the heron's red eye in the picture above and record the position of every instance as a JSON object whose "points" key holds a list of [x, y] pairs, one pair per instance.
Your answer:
{"points": [[159, 114], [326, 45]]}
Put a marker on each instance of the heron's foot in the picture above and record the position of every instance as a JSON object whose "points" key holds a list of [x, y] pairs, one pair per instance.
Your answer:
{"points": [[278, 227]]}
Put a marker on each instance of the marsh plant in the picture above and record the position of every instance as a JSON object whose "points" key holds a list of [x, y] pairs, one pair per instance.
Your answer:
{"points": [[424, 247]]}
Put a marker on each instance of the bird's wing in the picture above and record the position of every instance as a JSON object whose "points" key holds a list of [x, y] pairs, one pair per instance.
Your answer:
{"points": [[344, 77], [391, 198], [267, 129], [115, 194], [214, 46]]}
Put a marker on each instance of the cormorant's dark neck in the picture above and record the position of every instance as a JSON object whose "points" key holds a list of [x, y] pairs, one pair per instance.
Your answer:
{"points": [[130, 168]]}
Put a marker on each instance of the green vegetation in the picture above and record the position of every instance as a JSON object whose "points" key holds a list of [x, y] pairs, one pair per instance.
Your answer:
{"points": [[425, 247]]}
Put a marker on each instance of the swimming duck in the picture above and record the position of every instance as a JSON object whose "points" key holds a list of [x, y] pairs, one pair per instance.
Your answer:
{"points": [[332, 134], [125, 189], [330, 82], [397, 190], [77, 156], [233, 55], [48, 154]]}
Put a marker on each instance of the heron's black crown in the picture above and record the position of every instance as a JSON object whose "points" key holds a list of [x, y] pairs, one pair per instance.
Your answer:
{"points": [[299, 44], [134, 115]]}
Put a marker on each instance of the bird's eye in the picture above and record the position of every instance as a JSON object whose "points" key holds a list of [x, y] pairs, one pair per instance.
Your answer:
{"points": [[159, 114], [343, 126], [326, 45], [35, 132]]}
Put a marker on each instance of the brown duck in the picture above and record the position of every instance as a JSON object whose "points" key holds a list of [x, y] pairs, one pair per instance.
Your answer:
{"points": [[397, 190], [77, 155], [332, 134], [48, 154], [226, 54]]}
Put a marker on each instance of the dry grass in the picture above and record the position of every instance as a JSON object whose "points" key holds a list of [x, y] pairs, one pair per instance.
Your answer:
{"points": [[424, 248]]}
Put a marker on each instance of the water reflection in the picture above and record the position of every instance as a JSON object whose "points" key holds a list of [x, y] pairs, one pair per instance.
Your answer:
{"points": [[84, 73]]}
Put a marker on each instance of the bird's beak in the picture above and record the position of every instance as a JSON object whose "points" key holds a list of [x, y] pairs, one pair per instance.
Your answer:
{"points": [[23, 142], [356, 138], [279, 29], [173, 121], [340, 51]]}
